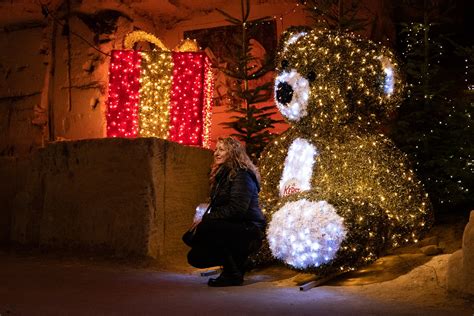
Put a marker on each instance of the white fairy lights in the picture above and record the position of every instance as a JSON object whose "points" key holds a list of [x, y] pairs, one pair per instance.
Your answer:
{"points": [[296, 108], [389, 78], [200, 210], [293, 38], [298, 169], [306, 234]]}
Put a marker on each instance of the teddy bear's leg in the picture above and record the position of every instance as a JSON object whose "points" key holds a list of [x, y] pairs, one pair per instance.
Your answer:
{"points": [[309, 234], [306, 233]]}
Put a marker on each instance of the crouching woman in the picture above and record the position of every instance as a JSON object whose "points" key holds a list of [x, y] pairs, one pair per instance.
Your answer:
{"points": [[233, 226]]}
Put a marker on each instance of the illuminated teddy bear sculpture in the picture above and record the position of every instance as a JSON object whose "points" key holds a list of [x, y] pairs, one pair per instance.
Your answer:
{"points": [[336, 191]]}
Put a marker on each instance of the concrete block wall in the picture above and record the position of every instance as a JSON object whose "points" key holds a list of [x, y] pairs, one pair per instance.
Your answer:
{"points": [[117, 196]]}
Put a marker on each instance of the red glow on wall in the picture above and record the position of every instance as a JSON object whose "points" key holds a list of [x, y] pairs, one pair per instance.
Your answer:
{"points": [[124, 87]]}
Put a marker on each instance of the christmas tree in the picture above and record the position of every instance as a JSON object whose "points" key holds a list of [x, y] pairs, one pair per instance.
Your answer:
{"points": [[252, 122], [433, 125]]}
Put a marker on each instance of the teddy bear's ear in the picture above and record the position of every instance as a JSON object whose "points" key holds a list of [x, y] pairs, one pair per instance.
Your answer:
{"points": [[389, 76], [291, 35], [391, 85]]}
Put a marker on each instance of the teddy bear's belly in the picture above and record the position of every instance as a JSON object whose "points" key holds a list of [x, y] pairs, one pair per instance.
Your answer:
{"points": [[298, 170]]}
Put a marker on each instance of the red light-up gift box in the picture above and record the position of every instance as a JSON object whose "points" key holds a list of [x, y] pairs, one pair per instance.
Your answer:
{"points": [[160, 93]]}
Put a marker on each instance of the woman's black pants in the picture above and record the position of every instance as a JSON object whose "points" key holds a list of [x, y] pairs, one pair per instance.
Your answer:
{"points": [[219, 242]]}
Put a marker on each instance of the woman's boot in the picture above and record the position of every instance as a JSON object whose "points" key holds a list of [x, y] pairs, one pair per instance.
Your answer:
{"points": [[232, 275]]}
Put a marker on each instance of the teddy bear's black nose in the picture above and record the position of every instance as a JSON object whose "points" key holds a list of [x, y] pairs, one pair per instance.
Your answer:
{"points": [[284, 93]]}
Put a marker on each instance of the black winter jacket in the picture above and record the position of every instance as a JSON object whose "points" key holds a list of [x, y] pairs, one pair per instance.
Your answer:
{"points": [[236, 199]]}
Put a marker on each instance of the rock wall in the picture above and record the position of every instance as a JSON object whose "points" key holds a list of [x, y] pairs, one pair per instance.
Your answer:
{"points": [[54, 83], [460, 274], [22, 71], [117, 196]]}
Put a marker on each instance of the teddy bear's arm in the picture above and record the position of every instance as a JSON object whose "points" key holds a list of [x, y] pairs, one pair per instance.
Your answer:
{"points": [[271, 164]]}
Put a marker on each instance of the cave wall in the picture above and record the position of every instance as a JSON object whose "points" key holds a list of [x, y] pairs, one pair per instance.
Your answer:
{"points": [[285, 13], [22, 71], [54, 85]]}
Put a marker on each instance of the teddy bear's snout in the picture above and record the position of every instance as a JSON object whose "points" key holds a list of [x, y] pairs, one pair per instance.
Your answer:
{"points": [[284, 93]]}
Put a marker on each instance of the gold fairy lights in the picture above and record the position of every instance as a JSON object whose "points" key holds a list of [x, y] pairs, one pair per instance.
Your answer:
{"points": [[141, 36], [160, 93], [155, 90], [351, 84]]}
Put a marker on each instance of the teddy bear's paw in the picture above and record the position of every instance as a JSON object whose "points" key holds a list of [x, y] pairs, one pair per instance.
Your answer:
{"points": [[305, 233]]}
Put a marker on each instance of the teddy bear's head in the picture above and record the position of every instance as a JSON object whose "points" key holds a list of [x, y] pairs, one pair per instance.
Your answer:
{"points": [[328, 79]]}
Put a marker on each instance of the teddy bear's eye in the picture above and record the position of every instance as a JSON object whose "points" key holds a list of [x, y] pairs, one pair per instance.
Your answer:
{"points": [[284, 63], [311, 76]]}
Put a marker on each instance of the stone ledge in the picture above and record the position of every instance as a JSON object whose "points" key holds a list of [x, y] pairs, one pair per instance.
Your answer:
{"points": [[120, 196]]}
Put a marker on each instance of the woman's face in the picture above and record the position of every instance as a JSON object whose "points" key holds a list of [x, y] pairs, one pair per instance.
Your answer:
{"points": [[220, 154]]}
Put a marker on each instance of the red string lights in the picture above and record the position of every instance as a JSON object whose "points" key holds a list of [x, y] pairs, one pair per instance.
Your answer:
{"points": [[186, 123], [124, 85], [160, 94]]}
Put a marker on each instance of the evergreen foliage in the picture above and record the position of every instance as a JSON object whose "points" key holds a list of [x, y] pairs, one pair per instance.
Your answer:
{"points": [[433, 126], [337, 14], [251, 123]]}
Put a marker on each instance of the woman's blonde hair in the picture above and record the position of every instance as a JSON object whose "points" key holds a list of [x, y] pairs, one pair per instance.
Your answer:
{"points": [[237, 158]]}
